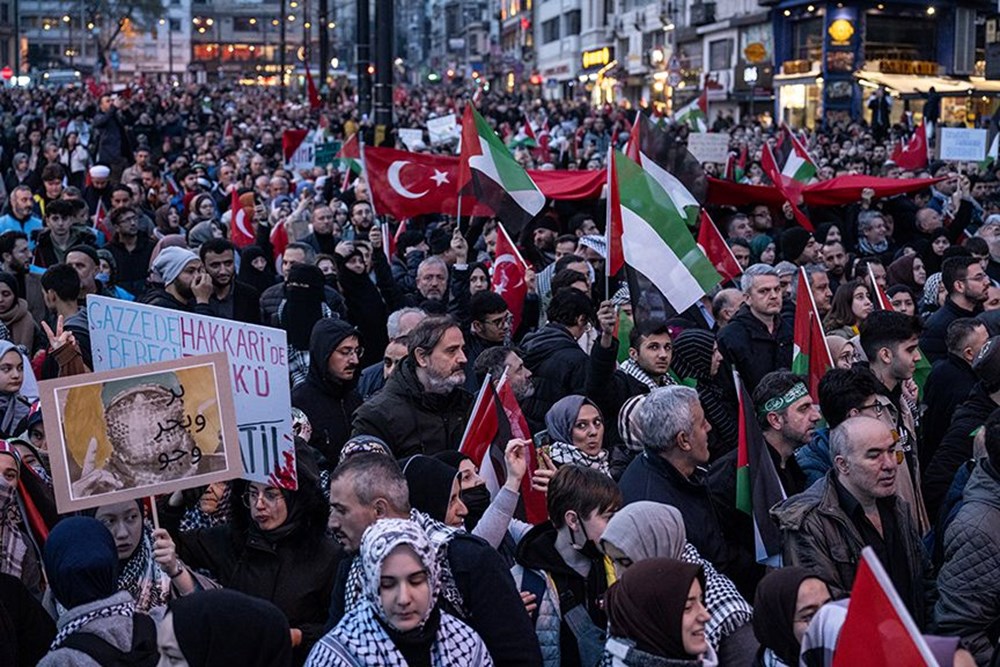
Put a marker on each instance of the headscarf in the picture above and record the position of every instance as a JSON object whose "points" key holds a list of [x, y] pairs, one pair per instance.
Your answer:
{"points": [[15, 408], [628, 423], [932, 261], [171, 262], [692, 360], [429, 481], [139, 574], [929, 299], [195, 216], [81, 561], [647, 605], [774, 605], [218, 627], [758, 245], [259, 280], [13, 546], [644, 530], [559, 421], [821, 636], [378, 541], [303, 305], [900, 272]]}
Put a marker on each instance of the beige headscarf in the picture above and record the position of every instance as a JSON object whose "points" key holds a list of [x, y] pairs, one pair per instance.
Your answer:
{"points": [[646, 529]]}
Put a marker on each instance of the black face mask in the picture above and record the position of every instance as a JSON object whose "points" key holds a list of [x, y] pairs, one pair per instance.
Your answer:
{"points": [[588, 549], [477, 501]]}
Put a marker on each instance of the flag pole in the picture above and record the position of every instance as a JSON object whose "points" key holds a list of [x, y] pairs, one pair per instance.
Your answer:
{"points": [[364, 174], [607, 226]]}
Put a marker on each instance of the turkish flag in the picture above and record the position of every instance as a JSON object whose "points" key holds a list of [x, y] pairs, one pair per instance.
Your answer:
{"points": [[315, 102], [240, 223], [508, 276], [912, 155], [406, 184], [878, 629], [535, 509], [716, 249]]}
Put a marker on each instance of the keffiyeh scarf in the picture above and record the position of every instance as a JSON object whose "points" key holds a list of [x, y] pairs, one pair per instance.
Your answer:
{"points": [[142, 578], [13, 547], [634, 370], [564, 453], [126, 608]]}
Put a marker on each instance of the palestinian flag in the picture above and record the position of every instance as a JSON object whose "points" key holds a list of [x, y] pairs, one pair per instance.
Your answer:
{"points": [[797, 168], [789, 189], [736, 168], [623, 329], [716, 249], [879, 629], [810, 357], [489, 171], [349, 156], [648, 233], [645, 146], [758, 487], [991, 154], [694, 114]]}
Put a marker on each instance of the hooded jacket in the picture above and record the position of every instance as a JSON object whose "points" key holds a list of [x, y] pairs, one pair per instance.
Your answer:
{"points": [[969, 580], [752, 349], [328, 402], [558, 366], [410, 420], [955, 447]]}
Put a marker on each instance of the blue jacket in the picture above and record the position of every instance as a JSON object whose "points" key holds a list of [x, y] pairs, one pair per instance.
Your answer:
{"points": [[814, 458]]}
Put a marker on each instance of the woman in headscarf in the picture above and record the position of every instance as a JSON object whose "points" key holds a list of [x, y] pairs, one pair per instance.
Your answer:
{"points": [[934, 295], [656, 617], [576, 428], [908, 270], [762, 249], [398, 622], [23, 329], [435, 489], [368, 304], [697, 357], [203, 221], [27, 511], [932, 250], [644, 530], [255, 269], [276, 548], [81, 565], [299, 311], [822, 633], [167, 221], [786, 600], [222, 627], [842, 352], [18, 390], [148, 567]]}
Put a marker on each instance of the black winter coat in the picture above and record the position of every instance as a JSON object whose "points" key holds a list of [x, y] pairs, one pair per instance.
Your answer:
{"points": [[955, 448], [272, 297], [410, 420], [157, 296], [752, 349], [329, 403], [946, 388], [932, 340], [559, 367]]}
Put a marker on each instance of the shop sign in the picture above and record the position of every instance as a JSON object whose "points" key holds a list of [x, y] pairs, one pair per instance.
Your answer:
{"points": [[918, 67], [558, 69], [796, 67], [755, 52], [598, 57], [841, 31]]}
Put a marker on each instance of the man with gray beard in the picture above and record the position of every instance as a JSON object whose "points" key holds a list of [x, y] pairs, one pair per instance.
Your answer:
{"points": [[423, 407]]}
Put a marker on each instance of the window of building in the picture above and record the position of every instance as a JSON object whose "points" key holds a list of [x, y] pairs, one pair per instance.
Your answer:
{"points": [[895, 38], [175, 25], [4, 14], [245, 24], [572, 23], [550, 31], [720, 54], [807, 39]]}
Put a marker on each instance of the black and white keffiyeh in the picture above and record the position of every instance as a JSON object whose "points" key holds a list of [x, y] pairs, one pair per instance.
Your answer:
{"points": [[632, 369], [564, 453], [126, 608], [360, 639]]}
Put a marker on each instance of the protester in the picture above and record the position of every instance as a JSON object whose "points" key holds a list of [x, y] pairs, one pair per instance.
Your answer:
{"points": [[576, 429], [787, 600]]}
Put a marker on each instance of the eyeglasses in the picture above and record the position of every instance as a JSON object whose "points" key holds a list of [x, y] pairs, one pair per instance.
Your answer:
{"points": [[270, 496], [877, 407], [502, 321], [351, 351]]}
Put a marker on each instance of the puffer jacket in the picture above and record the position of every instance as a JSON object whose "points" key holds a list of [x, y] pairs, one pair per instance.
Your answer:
{"points": [[818, 535], [410, 420], [969, 581], [549, 618], [814, 458]]}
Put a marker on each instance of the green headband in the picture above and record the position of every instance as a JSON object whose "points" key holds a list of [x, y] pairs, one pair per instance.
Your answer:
{"points": [[783, 402]]}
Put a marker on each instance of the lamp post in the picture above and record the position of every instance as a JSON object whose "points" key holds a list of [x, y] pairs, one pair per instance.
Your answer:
{"points": [[170, 48], [69, 50]]}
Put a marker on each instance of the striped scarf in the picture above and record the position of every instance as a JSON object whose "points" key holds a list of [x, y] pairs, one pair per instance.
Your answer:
{"points": [[633, 369]]}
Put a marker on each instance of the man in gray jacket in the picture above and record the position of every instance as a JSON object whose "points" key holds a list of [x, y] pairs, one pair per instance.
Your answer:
{"points": [[969, 580]]}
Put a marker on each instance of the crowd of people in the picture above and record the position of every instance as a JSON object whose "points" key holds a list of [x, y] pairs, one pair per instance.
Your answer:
{"points": [[396, 548]]}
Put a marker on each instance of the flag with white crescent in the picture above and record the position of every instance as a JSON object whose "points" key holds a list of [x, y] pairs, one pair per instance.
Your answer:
{"points": [[240, 223], [407, 184], [508, 276]]}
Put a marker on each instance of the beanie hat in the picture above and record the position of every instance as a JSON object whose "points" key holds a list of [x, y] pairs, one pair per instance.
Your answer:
{"points": [[171, 261], [794, 242]]}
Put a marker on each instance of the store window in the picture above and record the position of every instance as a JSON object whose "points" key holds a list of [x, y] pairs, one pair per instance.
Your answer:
{"points": [[807, 39], [550, 30], [897, 38], [572, 23], [245, 24]]}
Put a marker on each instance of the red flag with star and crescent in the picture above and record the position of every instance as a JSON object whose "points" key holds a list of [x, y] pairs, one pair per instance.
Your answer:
{"points": [[508, 280], [240, 223], [408, 184], [912, 155]]}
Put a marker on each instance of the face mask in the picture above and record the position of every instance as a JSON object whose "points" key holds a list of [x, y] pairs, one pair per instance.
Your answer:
{"points": [[588, 548], [103, 277], [477, 501]]}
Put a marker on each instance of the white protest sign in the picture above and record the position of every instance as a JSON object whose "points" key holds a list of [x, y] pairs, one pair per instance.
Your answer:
{"points": [[411, 137], [442, 129], [963, 144], [125, 334], [709, 146]]}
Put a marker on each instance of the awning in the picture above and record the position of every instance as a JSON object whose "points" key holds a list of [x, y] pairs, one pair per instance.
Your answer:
{"points": [[800, 79], [914, 85]]}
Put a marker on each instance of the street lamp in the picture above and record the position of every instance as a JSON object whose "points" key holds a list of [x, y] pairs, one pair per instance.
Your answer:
{"points": [[170, 48]]}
